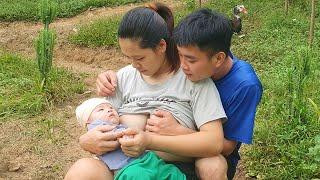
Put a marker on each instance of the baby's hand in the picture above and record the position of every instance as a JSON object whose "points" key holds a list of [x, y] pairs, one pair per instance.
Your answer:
{"points": [[120, 130], [127, 136]]}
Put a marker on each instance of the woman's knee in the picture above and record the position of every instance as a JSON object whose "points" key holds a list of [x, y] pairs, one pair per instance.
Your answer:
{"points": [[212, 168], [88, 168]]}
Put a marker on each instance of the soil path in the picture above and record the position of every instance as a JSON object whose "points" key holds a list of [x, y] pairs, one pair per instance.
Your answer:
{"points": [[32, 153], [18, 37]]}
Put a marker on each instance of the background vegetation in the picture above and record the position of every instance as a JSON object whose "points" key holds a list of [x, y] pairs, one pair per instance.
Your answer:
{"points": [[21, 94], [12, 10], [99, 33], [285, 145]]}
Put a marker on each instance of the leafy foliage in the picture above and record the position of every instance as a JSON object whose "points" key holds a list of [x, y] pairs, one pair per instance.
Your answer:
{"points": [[20, 94]]}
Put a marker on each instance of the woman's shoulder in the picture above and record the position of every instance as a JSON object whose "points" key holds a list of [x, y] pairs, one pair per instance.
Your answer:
{"points": [[127, 69], [126, 72]]}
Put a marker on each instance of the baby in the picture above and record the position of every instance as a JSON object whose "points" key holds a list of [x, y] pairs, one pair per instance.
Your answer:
{"points": [[98, 111]]}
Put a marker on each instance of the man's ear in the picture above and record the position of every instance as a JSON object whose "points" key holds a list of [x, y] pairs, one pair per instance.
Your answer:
{"points": [[219, 58], [162, 46]]}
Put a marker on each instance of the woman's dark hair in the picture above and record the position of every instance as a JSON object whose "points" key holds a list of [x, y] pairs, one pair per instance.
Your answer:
{"points": [[207, 29], [149, 25]]}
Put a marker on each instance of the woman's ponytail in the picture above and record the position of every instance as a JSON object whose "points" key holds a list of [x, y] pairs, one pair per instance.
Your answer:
{"points": [[150, 24]]}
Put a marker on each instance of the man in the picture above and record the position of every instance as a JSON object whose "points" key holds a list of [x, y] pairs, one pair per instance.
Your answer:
{"points": [[204, 39]]}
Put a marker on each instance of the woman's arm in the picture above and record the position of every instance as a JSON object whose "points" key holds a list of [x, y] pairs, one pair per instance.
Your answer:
{"points": [[205, 143], [106, 83]]}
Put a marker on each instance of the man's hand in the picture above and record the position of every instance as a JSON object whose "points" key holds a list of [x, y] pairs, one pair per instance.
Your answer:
{"points": [[163, 123], [100, 140], [134, 142], [106, 83]]}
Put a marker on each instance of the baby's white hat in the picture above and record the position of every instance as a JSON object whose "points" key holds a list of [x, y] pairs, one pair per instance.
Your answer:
{"points": [[84, 110]]}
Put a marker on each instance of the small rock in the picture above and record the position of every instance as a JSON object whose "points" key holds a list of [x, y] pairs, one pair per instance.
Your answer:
{"points": [[75, 30], [14, 168], [87, 92], [46, 166]]}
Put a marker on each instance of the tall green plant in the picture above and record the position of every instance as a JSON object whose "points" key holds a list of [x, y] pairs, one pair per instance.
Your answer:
{"points": [[48, 12], [45, 40], [297, 78]]}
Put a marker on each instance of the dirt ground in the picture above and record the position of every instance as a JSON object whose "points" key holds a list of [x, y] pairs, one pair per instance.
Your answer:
{"points": [[30, 149]]}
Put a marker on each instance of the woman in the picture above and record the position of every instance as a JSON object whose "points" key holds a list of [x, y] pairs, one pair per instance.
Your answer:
{"points": [[154, 81]]}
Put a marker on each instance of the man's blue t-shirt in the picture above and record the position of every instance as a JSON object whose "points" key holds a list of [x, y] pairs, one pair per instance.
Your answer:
{"points": [[240, 91]]}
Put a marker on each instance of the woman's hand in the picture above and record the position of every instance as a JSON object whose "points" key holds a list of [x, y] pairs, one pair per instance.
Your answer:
{"points": [[100, 140], [134, 142], [106, 83]]}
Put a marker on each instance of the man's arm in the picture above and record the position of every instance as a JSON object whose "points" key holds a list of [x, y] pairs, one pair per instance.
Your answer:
{"points": [[162, 122], [228, 147], [205, 143]]}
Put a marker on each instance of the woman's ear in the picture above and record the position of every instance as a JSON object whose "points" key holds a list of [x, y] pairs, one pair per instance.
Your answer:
{"points": [[162, 46]]}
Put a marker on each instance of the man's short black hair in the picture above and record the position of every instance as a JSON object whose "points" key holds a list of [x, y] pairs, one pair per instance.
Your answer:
{"points": [[207, 29]]}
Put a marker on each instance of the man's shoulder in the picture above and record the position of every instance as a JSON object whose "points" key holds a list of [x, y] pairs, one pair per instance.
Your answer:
{"points": [[244, 73], [241, 77]]}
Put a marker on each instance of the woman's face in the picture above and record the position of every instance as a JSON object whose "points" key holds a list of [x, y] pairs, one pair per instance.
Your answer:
{"points": [[147, 61]]}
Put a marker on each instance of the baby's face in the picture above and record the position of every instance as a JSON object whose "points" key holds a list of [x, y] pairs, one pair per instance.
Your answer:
{"points": [[104, 112]]}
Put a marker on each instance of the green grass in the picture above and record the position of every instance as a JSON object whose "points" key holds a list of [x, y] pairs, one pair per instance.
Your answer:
{"points": [[15, 10], [20, 92], [99, 33]]}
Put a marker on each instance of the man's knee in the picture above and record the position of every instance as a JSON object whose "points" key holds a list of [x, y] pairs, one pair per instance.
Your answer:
{"points": [[212, 168], [88, 168]]}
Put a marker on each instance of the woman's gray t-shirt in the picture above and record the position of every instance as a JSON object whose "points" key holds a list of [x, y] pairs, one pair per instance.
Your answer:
{"points": [[191, 103]]}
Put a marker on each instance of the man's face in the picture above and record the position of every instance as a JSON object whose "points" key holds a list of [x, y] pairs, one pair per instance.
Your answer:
{"points": [[195, 63]]}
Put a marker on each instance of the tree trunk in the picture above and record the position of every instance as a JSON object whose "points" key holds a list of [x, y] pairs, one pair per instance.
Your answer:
{"points": [[200, 3], [286, 6], [312, 19]]}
